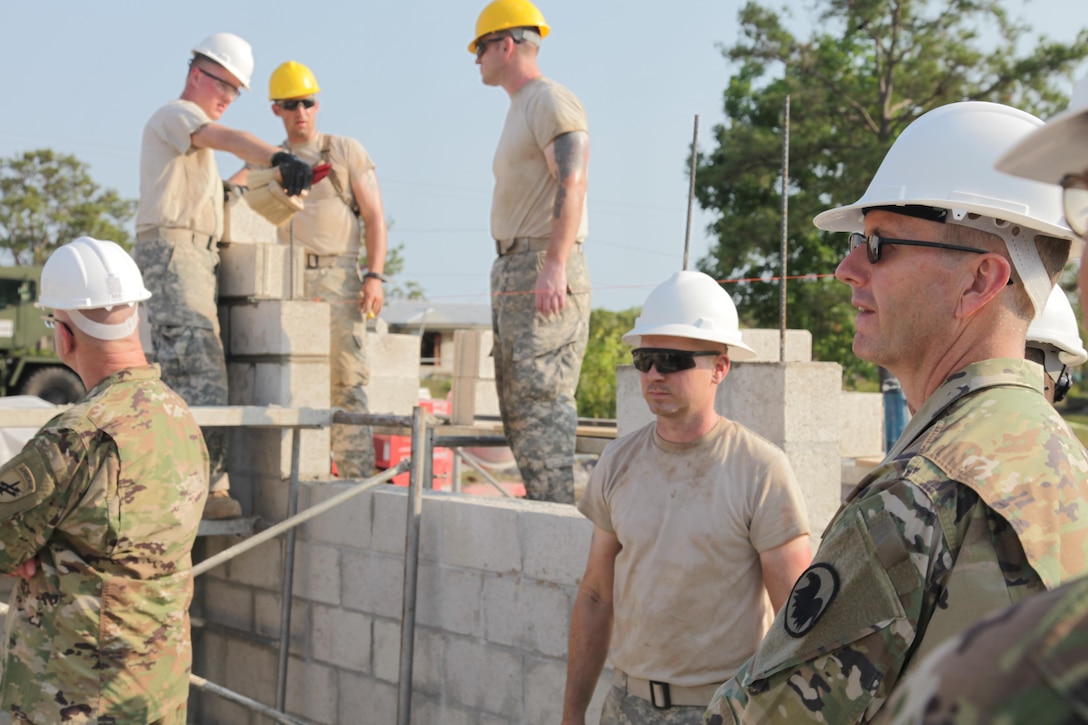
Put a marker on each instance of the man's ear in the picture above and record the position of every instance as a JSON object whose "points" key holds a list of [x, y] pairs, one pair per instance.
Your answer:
{"points": [[276, 110], [991, 274], [721, 368]]}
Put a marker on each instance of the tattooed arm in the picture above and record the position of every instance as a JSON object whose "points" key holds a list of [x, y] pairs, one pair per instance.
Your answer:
{"points": [[568, 160]]}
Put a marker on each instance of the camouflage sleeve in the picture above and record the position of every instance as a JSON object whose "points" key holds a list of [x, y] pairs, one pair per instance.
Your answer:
{"points": [[34, 489], [837, 647]]}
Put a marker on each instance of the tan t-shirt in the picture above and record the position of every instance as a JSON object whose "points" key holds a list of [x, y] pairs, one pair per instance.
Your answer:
{"points": [[180, 186], [689, 602], [327, 225], [524, 196]]}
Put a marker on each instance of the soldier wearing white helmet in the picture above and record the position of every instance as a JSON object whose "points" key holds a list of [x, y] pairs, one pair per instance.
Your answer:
{"points": [[179, 222], [1054, 342], [99, 512], [676, 506], [983, 499]]}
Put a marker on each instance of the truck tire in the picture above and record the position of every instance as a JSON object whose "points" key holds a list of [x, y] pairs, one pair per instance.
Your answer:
{"points": [[56, 384]]}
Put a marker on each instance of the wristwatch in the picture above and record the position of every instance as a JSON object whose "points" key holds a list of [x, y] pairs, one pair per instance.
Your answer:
{"points": [[373, 275]]}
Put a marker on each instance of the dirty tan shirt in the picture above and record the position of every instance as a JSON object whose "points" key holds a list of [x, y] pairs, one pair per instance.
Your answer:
{"points": [[692, 518], [180, 187], [327, 225], [524, 195]]}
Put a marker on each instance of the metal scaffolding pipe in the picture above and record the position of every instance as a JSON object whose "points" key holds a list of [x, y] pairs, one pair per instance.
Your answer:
{"points": [[274, 531], [288, 575], [421, 456], [201, 684]]}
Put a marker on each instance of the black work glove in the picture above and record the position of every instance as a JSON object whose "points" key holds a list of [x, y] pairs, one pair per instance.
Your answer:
{"points": [[297, 174]]}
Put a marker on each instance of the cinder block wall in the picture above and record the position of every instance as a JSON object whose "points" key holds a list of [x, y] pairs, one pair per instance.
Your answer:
{"points": [[496, 583]]}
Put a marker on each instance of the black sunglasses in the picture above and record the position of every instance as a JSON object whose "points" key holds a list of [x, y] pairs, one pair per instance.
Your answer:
{"points": [[481, 45], [873, 244], [293, 104], [51, 322], [665, 360]]}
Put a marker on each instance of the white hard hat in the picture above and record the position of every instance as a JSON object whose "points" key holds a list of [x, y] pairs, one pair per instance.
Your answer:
{"points": [[945, 160], [90, 273], [1056, 328], [1058, 148], [693, 305], [231, 52]]}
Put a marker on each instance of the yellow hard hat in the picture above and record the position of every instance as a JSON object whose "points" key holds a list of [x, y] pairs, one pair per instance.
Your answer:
{"points": [[504, 14], [291, 80]]}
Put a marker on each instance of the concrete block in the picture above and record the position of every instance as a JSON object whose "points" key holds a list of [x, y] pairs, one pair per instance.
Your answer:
{"points": [[547, 677], [242, 224], [389, 513], [818, 469], [362, 699], [426, 709], [631, 410], [252, 271], [472, 532], [317, 573], [813, 402], [862, 425], [450, 599], [311, 691], [261, 567], [387, 650], [483, 676], [556, 544], [267, 613], [293, 383], [280, 327], [342, 638], [345, 525], [373, 583], [526, 614], [767, 344], [251, 670], [428, 675], [227, 604], [394, 373]]}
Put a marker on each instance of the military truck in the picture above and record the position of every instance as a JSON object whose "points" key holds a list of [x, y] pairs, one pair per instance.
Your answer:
{"points": [[28, 362]]}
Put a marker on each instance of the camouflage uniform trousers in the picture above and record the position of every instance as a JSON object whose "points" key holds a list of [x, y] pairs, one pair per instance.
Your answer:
{"points": [[349, 365], [184, 320], [623, 708], [537, 363]]}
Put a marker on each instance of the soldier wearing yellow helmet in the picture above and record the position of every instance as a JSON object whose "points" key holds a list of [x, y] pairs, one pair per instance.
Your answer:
{"points": [[539, 282], [329, 229]]}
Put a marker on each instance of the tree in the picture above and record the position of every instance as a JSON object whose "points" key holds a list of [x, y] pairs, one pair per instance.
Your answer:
{"points": [[48, 199], [596, 394], [868, 70]]}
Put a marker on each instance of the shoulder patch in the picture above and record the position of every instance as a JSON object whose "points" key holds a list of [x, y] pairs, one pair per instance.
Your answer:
{"points": [[16, 483], [810, 598]]}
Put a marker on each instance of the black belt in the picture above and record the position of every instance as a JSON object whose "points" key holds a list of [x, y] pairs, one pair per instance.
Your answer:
{"points": [[317, 261]]}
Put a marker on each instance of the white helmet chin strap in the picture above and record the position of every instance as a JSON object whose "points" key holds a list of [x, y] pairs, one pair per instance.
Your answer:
{"points": [[100, 331], [1020, 241]]}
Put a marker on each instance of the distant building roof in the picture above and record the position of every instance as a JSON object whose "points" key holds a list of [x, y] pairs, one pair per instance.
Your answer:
{"points": [[409, 315]]}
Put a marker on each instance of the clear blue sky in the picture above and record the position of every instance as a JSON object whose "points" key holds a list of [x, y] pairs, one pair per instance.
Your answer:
{"points": [[83, 78]]}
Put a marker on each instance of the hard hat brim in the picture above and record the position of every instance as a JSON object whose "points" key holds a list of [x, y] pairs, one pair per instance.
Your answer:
{"points": [[1055, 150], [738, 351]]}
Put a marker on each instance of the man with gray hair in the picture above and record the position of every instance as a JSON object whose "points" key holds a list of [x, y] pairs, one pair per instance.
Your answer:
{"points": [[983, 500], [540, 296]]}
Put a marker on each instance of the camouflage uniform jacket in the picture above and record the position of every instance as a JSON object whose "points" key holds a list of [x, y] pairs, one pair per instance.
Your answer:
{"points": [[108, 496], [982, 501], [1028, 663]]}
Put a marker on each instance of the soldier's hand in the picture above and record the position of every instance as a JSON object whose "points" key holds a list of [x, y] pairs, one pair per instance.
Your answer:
{"points": [[27, 569], [296, 174], [551, 289]]}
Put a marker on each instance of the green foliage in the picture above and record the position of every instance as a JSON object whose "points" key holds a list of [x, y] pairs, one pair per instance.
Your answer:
{"points": [[48, 199], [868, 70], [596, 394], [395, 288]]}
